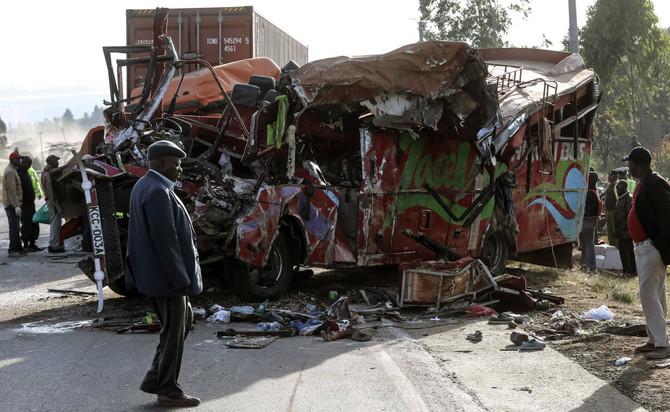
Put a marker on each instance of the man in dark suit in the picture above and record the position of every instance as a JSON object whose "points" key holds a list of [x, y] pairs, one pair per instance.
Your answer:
{"points": [[162, 263], [649, 227]]}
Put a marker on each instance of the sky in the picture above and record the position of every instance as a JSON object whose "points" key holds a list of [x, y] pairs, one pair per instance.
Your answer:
{"points": [[52, 51]]}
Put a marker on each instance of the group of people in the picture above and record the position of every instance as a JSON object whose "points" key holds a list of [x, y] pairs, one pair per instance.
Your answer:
{"points": [[20, 187], [161, 260], [618, 203], [639, 227]]}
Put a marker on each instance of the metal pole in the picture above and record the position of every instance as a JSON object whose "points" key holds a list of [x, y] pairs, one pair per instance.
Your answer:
{"points": [[197, 36], [41, 147], [574, 34], [420, 30], [220, 38], [180, 20]]}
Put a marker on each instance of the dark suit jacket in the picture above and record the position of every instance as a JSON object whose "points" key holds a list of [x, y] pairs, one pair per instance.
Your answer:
{"points": [[161, 257], [652, 206]]}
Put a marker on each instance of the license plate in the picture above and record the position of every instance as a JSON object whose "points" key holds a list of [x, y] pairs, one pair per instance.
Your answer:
{"points": [[96, 230]]}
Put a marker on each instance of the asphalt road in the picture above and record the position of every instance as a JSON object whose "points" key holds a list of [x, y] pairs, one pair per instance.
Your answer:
{"points": [[52, 359]]}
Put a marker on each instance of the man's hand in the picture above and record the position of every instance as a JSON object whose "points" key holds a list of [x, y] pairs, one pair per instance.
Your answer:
{"points": [[17, 211]]}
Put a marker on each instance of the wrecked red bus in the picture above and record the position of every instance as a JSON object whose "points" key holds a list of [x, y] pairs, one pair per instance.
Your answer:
{"points": [[434, 148]]}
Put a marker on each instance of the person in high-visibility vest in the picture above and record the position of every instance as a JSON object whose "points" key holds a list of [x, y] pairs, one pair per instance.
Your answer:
{"points": [[623, 176], [36, 182]]}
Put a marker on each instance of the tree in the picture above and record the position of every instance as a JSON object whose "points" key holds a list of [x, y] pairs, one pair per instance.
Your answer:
{"points": [[481, 23], [3, 127], [631, 56], [67, 117]]}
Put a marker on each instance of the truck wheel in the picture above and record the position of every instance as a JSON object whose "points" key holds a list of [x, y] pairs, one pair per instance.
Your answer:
{"points": [[270, 281], [119, 287], [494, 252]]}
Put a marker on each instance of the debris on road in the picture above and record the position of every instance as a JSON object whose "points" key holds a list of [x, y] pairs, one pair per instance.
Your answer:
{"points": [[221, 316], [505, 318], [248, 342], [199, 313], [518, 338], [437, 283], [232, 332], [627, 330], [144, 327], [72, 292], [475, 337], [533, 344], [599, 314], [476, 311]]}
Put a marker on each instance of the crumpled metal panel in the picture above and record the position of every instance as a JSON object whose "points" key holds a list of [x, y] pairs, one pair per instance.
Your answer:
{"points": [[318, 215], [403, 110], [425, 69]]}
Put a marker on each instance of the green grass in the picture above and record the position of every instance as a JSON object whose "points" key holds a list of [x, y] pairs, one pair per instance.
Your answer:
{"points": [[617, 289], [623, 296]]}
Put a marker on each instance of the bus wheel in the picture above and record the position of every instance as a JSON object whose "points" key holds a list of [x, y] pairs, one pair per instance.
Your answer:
{"points": [[270, 281], [494, 252]]}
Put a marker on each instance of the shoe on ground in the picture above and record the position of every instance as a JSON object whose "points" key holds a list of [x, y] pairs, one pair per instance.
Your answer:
{"points": [[16, 253], [647, 347], [33, 248], [59, 249], [179, 400], [475, 337], [518, 338], [148, 387], [533, 344], [660, 352]]}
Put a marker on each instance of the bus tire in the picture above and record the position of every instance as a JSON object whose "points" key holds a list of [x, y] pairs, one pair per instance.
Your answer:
{"points": [[495, 252], [269, 282]]}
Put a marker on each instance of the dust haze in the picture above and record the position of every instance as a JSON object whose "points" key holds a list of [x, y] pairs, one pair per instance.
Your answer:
{"points": [[39, 143]]}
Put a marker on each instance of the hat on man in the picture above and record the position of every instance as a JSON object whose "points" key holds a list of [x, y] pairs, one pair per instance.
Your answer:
{"points": [[14, 155], [613, 172], [52, 157], [164, 148], [638, 155]]}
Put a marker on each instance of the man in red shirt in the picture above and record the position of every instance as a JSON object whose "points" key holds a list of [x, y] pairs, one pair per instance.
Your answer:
{"points": [[650, 229]]}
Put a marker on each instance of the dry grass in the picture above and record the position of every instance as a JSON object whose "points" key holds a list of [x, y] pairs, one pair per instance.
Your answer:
{"points": [[618, 289], [606, 287]]}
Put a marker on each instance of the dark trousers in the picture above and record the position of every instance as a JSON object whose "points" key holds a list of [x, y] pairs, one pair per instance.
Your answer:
{"points": [[176, 318], [29, 231], [587, 242], [627, 253], [14, 228]]}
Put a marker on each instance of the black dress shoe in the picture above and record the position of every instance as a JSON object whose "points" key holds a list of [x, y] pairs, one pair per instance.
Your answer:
{"points": [[34, 248], [148, 388], [179, 400]]}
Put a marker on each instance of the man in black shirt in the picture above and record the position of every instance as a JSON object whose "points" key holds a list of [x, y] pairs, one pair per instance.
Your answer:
{"points": [[592, 209], [29, 231]]}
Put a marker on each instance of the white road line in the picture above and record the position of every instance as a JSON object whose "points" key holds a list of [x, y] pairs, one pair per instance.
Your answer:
{"points": [[410, 397]]}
